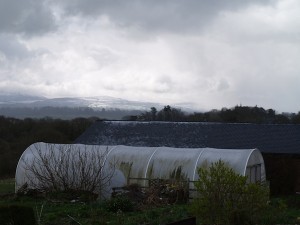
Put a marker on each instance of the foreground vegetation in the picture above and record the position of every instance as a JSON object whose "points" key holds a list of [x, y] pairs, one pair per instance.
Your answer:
{"points": [[225, 197], [16, 135], [58, 209], [51, 213]]}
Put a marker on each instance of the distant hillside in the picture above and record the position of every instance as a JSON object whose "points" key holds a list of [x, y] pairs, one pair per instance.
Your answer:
{"points": [[23, 106], [101, 102], [65, 113]]}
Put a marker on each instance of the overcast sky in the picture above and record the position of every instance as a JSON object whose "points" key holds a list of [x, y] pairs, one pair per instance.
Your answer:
{"points": [[205, 53]]}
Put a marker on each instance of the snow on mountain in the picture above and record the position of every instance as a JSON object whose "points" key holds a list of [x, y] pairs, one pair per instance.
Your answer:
{"points": [[96, 103], [102, 102], [9, 98]]}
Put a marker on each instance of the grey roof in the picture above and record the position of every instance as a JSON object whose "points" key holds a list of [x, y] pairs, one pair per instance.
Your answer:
{"points": [[268, 138]]}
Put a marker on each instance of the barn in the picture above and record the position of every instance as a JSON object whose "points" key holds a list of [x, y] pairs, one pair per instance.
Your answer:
{"points": [[278, 143]]}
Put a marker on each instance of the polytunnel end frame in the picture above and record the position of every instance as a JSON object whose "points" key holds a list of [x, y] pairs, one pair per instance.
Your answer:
{"points": [[245, 169], [21, 158]]}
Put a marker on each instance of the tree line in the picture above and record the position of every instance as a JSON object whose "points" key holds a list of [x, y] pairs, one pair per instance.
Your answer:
{"points": [[64, 112], [237, 114], [16, 135]]}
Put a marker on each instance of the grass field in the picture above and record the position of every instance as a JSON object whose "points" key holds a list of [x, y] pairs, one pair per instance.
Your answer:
{"points": [[283, 210]]}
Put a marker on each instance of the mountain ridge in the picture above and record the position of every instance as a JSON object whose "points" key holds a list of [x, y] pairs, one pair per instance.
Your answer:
{"points": [[24, 106], [94, 102]]}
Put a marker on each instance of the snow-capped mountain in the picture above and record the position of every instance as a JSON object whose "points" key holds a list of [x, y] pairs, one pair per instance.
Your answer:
{"points": [[102, 102], [29, 106], [10, 99]]}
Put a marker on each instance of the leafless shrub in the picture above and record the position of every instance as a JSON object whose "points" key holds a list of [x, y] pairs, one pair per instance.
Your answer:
{"points": [[69, 167]]}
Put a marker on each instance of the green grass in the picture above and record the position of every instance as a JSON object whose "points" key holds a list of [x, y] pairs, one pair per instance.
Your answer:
{"points": [[96, 214]]}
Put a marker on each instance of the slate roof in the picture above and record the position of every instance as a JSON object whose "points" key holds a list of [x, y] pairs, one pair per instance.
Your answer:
{"points": [[268, 138]]}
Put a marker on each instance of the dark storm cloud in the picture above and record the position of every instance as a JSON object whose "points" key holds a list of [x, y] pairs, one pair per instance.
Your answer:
{"points": [[29, 17], [152, 15]]}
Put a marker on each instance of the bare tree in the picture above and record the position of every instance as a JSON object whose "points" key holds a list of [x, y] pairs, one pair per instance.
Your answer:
{"points": [[69, 167]]}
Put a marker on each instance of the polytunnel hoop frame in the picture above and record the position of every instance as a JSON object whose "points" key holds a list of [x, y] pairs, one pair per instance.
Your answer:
{"points": [[245, 169], [145, 175], [107, 154], [195, 168]]}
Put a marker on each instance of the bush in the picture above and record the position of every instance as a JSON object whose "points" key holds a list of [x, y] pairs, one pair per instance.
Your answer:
{"points": [[68, 167], [224, 197], [17, 215]]}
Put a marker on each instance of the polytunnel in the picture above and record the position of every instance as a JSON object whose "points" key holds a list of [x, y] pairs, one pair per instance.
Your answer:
{"points": [[150, 162]]}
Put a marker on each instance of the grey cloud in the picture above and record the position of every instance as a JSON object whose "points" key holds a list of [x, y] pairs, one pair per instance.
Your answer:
{"points": [[223, 84], [30, 17], [156, 14], [163, 84], [12, 49]]}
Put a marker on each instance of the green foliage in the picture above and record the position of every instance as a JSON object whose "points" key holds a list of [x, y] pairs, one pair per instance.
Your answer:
{"points": [[166, 114], [16, 135], [293, 201], [237, 114], [224, 197], [156, 216], [281, 210], [178, 174]]}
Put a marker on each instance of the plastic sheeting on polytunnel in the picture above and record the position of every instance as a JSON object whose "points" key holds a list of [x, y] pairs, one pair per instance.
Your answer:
{"points": [[67, 163], [162, 162]]}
